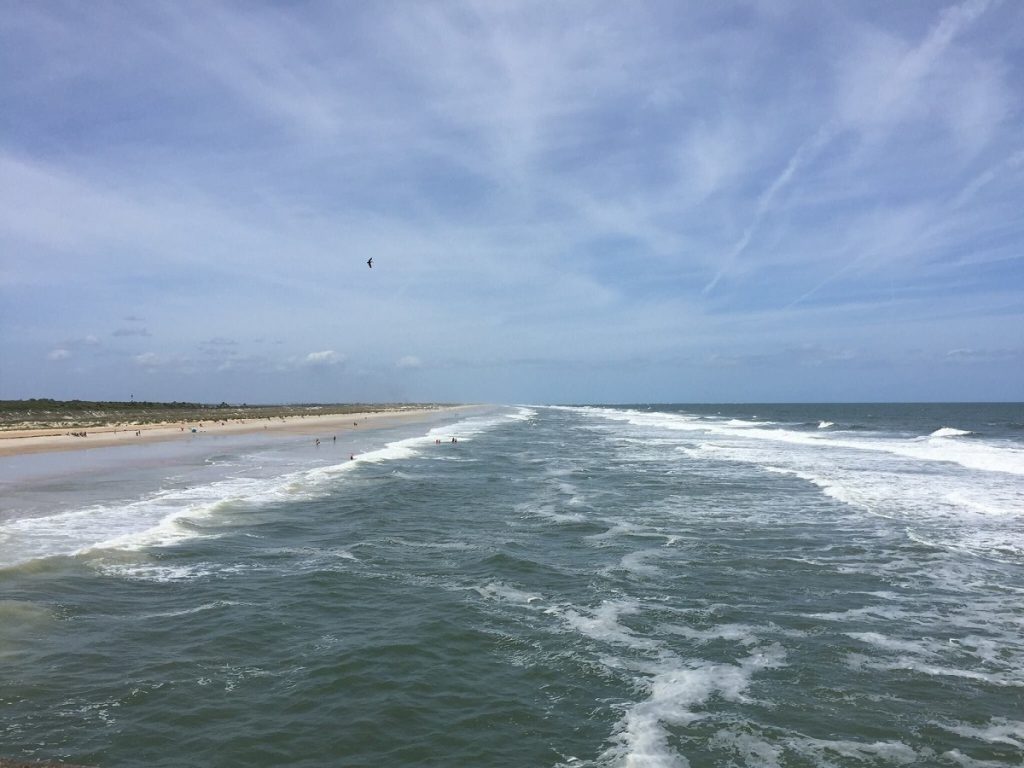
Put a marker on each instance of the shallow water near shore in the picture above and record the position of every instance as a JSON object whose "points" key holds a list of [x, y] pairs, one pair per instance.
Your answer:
{"points": [[826, 585]]}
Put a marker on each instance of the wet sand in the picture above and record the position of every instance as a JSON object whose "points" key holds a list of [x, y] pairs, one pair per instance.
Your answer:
{"points": [[15, 442]]}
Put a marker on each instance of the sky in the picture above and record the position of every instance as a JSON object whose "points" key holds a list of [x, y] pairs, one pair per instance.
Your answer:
{"points": [[565, 202]]}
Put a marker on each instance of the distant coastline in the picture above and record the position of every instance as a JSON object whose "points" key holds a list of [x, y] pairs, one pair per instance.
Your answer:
{"points": [[41, 425]]}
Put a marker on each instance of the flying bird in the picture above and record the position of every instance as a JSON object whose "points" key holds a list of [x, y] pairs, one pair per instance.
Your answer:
{"points": [[369, 262]]}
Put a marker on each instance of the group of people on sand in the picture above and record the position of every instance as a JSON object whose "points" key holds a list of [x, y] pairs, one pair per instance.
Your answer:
{"points": [[138, 433], [438, 441]]}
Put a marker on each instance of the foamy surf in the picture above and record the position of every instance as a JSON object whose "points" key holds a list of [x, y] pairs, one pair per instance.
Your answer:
{"points": [[556, 588], [676, 693], [990, 457], [167, 518]]}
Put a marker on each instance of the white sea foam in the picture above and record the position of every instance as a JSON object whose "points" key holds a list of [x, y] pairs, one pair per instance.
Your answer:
{"points": [[158, 573], [991, 456], [164, 518], [912, 664], [988, 457], [956, 757], [471, 427], [821, 750], [859, 614], [523, 413], [986, 649], [676, 690], [740, 633], [497, 590], [1000, 730], [603, 624], [548, 512], [168, 517], [451, 546], [400, 449], [636, 562], [959, 510], [825, 424], [884, 642], [675, 695], [950, 432], [625, 531], [196, 609], [755, 752]]}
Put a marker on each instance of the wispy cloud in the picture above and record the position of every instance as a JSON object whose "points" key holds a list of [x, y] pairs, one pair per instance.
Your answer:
{"points": [[653, 185]]}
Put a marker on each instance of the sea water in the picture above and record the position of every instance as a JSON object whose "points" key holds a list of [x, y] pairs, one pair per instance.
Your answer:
{"points": [[818, 585]]}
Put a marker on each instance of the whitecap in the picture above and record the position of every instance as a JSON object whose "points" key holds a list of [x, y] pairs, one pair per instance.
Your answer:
{"points": [[992, 456], [950, 432]]}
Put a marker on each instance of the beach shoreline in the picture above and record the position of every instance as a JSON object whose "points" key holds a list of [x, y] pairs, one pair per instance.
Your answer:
{"points": [[316, 426]]}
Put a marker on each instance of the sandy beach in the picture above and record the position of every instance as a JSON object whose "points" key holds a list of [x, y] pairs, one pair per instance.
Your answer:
{"points": [[323, 427]]}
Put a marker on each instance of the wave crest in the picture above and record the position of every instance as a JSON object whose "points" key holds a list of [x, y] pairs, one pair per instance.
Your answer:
{"points": [[950, 432]]}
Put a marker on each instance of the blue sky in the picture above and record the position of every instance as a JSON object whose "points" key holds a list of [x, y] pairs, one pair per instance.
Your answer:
{"points": [[565, 202]]}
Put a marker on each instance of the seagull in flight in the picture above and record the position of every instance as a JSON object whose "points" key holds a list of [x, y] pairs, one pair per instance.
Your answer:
{"points": [[369, 262]]}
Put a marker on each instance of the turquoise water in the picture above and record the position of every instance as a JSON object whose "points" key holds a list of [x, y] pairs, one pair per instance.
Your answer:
{"points": [[823, 585]]}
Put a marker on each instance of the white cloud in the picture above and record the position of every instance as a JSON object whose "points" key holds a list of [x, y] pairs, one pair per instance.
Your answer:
{"points": [[534, 182], [58, 354], [325, 358], [886, 81]]}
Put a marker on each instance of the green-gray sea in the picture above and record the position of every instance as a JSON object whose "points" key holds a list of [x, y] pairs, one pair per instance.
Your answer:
{"points": [[647, 586]]}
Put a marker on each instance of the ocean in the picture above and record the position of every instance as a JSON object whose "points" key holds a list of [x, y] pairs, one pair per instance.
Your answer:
{"points": [[646, 586]]}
